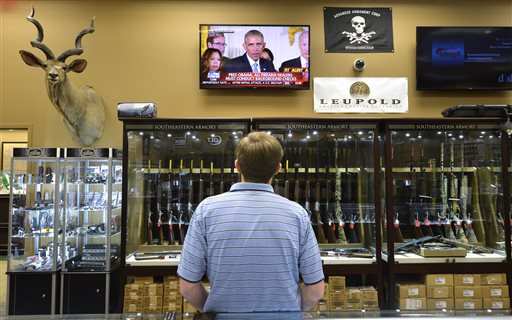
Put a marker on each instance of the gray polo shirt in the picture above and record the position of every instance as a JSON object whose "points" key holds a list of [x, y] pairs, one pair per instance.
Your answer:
{"points": [[253, 244]]}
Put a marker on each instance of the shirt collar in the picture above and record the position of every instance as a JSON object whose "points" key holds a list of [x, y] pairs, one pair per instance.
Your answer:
{"points": [[251, 62], [242, 186], [303, 61]]}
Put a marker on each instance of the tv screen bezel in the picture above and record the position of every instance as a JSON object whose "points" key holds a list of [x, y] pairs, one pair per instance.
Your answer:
{"points": [[305, 86], [420, 86]]}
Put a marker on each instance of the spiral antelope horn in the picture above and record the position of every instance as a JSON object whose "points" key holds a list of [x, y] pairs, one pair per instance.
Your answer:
{"points": [[78, 43], [38, 42]]}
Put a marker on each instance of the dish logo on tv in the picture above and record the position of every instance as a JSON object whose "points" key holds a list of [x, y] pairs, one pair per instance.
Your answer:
{"points": [[505, 78]]}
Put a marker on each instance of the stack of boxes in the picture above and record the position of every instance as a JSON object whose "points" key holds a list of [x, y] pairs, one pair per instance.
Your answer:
{"points": [[337, 296], [172, 298], [337, 293], [495, 291], [411, 296], [439, 289], [455, 291], [144, 295]]}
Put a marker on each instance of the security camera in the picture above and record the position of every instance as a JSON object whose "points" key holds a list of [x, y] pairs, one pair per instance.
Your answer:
{"points": [[359, 64]]}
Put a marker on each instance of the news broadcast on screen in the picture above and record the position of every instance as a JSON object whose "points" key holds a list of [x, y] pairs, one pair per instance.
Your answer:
{"points": [[254, 56]]}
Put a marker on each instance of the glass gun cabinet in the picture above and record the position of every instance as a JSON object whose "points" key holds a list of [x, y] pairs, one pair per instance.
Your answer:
{"points": [[445, 197], [92, 196], [171, 165], [34, 249], [65, 224], [331, 167]]}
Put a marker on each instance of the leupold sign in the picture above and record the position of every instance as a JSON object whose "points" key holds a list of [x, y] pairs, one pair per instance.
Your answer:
{"points": [[361, 95]]}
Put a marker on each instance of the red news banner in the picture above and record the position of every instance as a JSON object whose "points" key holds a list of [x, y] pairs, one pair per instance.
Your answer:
{"points": [[290, 77]]}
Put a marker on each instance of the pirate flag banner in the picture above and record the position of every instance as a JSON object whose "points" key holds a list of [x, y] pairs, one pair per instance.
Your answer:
{"points": [[358, 30]]}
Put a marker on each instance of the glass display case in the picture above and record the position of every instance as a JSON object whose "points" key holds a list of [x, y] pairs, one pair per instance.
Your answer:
{"points": [[445, 197], [92, 195], [331, 167], [170, 166], [34, 250]]}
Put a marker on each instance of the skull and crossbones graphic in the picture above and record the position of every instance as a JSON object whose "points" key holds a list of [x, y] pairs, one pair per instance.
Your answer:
{"points": [[359, 24]]}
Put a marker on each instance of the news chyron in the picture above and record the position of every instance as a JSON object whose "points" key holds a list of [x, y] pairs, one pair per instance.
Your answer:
{"points": [[254, 56]]}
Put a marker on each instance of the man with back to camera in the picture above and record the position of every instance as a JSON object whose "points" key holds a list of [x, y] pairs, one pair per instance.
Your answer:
{"points": [[250, 61], [253, 244], [303, 60]]}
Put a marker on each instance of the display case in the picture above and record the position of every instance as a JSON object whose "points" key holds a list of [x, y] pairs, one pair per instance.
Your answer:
{"points": [[34, 250], [170, 166], [445, 198], [92, 196], [332, 168]]}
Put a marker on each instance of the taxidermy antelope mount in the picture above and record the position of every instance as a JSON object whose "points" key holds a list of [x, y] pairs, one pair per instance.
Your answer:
{"points": [[82, 109]]}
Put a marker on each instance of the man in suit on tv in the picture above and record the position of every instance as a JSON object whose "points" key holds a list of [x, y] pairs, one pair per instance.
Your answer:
{"points": [[250, 61], [303, 60]]}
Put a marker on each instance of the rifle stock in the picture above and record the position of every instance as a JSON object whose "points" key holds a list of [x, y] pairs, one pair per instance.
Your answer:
{"points": [[317, 222], [342, 238], [326, 218]]}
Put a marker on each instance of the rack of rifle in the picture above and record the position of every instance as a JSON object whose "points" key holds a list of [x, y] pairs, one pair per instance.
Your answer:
{"points": [[172, 194], [448, 201]]}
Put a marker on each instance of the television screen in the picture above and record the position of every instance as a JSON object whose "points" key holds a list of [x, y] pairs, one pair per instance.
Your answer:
{"points": [[464, 58], [254, 56]]}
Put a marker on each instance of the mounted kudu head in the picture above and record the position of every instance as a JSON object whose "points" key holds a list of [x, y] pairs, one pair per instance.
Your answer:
{"points": [[82, 109]]}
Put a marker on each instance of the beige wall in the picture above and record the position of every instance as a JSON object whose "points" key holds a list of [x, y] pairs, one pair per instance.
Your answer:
{"points": [[148, 51]]}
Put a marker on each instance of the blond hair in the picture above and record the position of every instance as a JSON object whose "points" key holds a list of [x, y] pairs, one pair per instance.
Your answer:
{"points": [[259, 155]]}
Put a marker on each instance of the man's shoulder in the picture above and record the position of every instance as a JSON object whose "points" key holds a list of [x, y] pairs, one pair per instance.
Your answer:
{"points": [[295, 62]]}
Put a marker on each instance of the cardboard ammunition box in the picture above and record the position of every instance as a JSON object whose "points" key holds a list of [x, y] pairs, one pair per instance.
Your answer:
{"points": [[153, 301], [132, 304], [133, 307], [323, 305], [172, 295], [172, 306], [354, 299], [495, 291], [152, 309], [134, 290], [337, 284], [338, 296], [338, 305], [154, 289], [493, 278], [171, 285], [466, 280], [439, 292], [468, 292], [444, 252], [369, 293], [496, 303], [143, 280], [468, 303], [437, 304], [439, 280], [412, 304], [410, 290]]}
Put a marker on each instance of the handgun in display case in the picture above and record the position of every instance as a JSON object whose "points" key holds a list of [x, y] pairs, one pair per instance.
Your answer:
{"points": [[34, 249], [92, 201]]}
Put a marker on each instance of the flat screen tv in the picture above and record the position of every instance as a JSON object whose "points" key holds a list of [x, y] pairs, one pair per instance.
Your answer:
{"points": [[464, 58], [228, 53]]}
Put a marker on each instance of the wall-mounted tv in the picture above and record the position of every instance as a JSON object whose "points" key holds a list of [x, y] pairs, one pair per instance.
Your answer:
{"points": [[254, 56], [464, 58]]}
